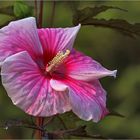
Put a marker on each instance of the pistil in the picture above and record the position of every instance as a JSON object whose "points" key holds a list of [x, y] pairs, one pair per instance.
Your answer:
{"points": [[57, 60]]}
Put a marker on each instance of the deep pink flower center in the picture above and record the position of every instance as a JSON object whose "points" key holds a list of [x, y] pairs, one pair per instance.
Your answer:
{"points": [[56, 63]]}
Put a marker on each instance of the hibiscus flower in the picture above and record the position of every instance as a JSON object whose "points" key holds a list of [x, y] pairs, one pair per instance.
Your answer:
{"points": [[43, 75]]}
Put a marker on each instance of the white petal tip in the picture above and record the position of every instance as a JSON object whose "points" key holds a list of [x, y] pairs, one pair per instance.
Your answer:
{"points": [[58, 86], [79, 25], [114, 73]]}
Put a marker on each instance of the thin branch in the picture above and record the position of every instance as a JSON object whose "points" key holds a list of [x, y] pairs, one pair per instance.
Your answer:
{"points": [[33, 127], [25, 126], [33, 134], [41, 13]]}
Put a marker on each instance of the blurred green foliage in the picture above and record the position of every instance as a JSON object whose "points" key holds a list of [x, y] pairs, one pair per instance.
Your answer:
{"points": [[112, 49], [22, 10]]}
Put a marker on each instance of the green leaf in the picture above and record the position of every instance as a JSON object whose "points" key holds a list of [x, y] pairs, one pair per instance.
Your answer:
{"points": [[5, 19], [89, 12], [22, 10]]}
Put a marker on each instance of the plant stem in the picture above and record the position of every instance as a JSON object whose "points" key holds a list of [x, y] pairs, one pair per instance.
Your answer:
{"points": [[40, 14], [52, 14], [39, 123]]}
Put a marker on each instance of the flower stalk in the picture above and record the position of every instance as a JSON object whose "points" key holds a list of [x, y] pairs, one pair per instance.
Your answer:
{"points": [[39, 123], [39, 120], [40, 14]]}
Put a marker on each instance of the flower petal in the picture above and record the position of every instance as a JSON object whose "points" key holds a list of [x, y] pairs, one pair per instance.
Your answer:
{"points": [[82, 67], [57, 85], [20, 35], [57, 39], [88, 100], [29, 89]]}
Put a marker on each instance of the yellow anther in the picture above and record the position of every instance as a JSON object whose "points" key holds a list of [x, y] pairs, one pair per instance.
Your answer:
{"points": [[57, 60]]}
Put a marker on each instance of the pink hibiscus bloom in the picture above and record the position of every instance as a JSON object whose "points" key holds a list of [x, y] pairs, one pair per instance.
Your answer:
{"points": [[44, 75]]}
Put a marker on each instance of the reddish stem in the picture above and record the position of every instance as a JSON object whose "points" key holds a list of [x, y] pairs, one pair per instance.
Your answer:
{"points": [[39, 123], [39, 120], [41, 13]]}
